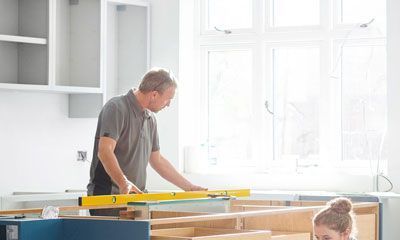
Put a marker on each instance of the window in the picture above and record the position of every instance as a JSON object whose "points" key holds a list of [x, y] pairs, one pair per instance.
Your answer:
{"points": [[361, 11], [363, 101], [288, 85], [295, 13], [296, 102], [238, 16], [230, 107]]}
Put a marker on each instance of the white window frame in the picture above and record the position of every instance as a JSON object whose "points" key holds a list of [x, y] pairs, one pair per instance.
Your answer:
{"points": [[353, 165], [263, 37], [268, 20], [238, 31], [256, 84], [270, 47]]}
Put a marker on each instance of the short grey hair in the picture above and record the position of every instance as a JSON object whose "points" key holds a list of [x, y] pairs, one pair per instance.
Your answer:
{"points": [[157, 79]]}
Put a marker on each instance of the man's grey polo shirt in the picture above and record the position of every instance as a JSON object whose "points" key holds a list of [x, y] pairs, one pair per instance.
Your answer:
{"points": [[135, 131]]}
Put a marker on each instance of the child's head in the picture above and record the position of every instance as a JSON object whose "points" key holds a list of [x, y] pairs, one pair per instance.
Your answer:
{"points": [[335, 221]]}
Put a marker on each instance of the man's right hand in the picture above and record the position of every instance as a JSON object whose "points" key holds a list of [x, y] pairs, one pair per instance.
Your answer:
{"points": [[128, 187]]}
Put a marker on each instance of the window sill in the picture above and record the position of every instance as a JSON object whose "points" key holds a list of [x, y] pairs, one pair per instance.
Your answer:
{"points": [[286, 181]]}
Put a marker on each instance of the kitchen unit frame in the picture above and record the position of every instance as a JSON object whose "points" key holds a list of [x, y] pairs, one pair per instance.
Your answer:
{"points": [[245, 219]]}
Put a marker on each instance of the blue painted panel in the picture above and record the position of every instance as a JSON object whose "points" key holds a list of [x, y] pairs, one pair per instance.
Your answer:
{"points": [[3, 232], [45, 229], [90, 229], [35, 229], [78, 229]]}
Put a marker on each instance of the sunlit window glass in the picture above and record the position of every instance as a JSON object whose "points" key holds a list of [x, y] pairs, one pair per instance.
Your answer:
{"points": [[230, 107], [363, 102], [228, 14], [297, 101], [295, 13]]}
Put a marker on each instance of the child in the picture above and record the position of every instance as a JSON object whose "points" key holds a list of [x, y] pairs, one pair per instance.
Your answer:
{"points": [[335, 221]]}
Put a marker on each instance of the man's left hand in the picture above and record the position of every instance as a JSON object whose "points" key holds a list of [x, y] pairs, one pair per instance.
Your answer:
{"points": [[196, 188]]}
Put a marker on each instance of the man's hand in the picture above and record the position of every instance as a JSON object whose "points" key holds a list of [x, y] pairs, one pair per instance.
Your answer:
{"points": [[193, 187], [127, 187]]}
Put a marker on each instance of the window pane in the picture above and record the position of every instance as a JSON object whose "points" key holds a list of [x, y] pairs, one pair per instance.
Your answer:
{"points": [[295, 13], [296, 103], [362, 11], [230, 107], [228, 14], [363, 101]]}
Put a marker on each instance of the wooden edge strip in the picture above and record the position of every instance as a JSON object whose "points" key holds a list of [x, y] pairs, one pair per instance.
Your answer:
{"points": [[91, 217], [220, 216], [77, 208], [62, 209]]}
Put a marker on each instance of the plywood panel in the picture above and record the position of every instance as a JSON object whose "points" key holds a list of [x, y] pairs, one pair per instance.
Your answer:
{"points": [[251, 202], [208, 233], [225, 223], [240, 208], [290, 236], [307, 203], [293, 222], [366, 227]]}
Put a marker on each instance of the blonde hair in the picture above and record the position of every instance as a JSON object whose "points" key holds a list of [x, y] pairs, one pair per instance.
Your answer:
{"points": [[338, 215]]}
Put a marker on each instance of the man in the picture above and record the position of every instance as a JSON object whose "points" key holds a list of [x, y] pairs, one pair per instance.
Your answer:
{"points": [[127, 140]]}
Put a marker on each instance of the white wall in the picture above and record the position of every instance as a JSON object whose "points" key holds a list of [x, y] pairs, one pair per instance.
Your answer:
{"points": [[393, 78], [390, 229], [38, 143]]}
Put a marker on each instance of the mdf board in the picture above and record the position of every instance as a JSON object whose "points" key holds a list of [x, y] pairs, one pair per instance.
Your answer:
{"points": [[307, 203], [208, 233], [251, 202], [225, 223], [290, 236], [277, 203], [364, 223], [292, 222], [241, 208]]}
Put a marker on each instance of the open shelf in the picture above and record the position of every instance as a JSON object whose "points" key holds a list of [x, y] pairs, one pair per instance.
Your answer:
{"points": [[127, 46], [77, 43], [21, 39], [127, 51], [24, 18], [23, 44], [22, 63]]}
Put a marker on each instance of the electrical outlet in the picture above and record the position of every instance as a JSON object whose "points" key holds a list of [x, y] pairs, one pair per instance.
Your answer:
{"points": [[82, 156]]}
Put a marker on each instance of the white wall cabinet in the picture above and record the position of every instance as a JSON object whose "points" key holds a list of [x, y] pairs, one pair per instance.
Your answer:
{"points": [[89, 49], [23, 43]]}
